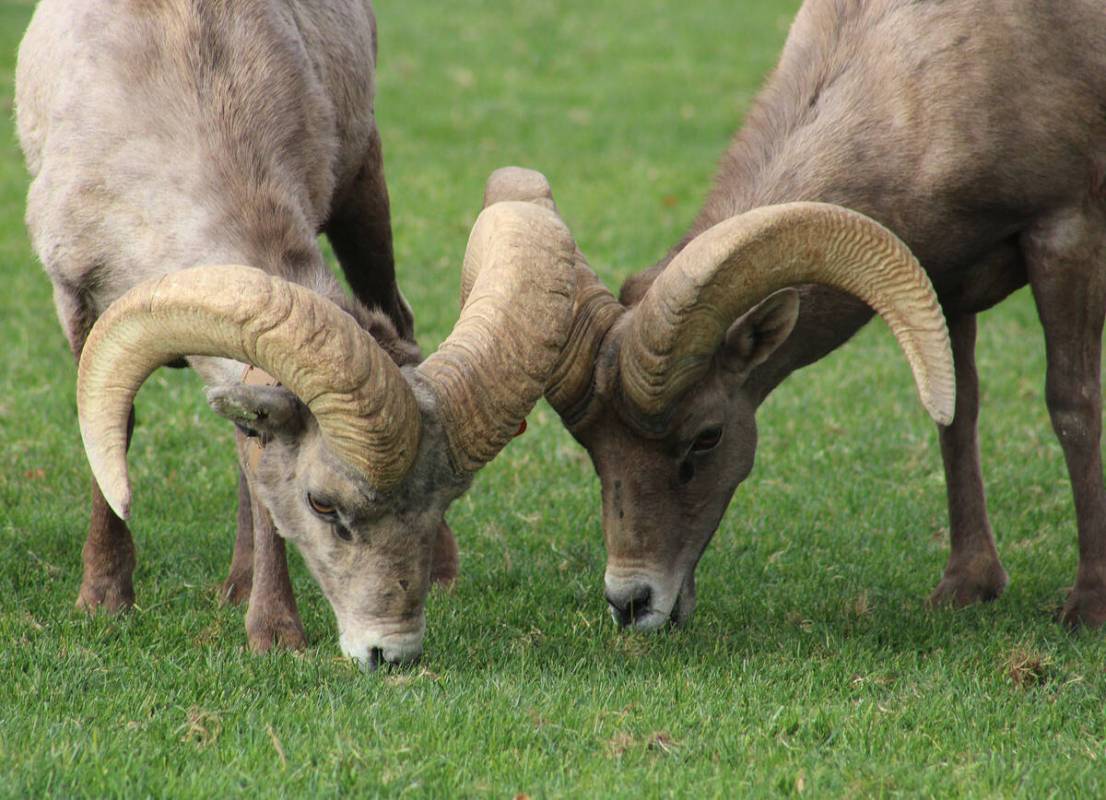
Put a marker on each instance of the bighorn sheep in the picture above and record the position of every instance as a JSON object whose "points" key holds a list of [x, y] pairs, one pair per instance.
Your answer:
{"points": [[975, 131], [162, 136]]}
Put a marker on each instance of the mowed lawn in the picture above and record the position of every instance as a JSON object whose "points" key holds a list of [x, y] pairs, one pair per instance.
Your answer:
{"points": [[812, 665]]}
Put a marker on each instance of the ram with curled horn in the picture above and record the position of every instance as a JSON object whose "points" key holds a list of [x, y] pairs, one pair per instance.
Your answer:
{"points": [[661, 386], [168, 135], [359, 458]]}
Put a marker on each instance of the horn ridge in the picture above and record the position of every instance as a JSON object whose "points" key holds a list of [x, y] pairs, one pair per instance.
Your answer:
{"points": [[595, 310], [726, 270], [570, 390], [364, 407], [517, 288]]}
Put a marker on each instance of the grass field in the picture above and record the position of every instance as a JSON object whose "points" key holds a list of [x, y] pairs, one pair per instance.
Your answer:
{"points": [[812, 666]]}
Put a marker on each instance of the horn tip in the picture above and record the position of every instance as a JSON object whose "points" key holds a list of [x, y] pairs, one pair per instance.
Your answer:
{"points": [[120, 501], [518, 184], [941, 408]]}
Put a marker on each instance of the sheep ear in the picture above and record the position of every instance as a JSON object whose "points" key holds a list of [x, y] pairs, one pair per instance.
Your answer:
{"points": [[757, 334], [265, 411]]}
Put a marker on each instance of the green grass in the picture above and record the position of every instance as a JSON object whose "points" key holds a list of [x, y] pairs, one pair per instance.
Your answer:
{"points": [[811, 666]]}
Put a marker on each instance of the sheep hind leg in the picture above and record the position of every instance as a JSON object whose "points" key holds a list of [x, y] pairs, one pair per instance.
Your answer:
{"points": [[360, 231], [272, 619], [974, 572], [236, 588], [1066, 257]]}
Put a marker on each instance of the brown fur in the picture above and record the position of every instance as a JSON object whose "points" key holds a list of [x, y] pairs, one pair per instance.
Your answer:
{"points": [[977, 132]]}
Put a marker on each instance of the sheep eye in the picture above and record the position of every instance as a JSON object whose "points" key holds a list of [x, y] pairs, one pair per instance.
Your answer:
{"points": [[321, 508], [249, 433], [707, 440]]}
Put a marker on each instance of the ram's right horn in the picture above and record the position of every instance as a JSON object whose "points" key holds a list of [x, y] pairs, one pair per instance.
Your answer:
{"points": [[364, 407]]}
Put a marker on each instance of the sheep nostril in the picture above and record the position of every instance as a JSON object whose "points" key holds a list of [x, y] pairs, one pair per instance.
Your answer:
{"points": [[640, 604], [627, 610]]}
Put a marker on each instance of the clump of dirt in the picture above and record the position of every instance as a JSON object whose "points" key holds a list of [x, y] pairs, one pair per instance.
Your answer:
{"points": [[1027, 669]]}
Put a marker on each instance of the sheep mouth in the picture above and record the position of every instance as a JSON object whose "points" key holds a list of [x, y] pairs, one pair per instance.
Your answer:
{"points": [[647, 620], [375, 661]]}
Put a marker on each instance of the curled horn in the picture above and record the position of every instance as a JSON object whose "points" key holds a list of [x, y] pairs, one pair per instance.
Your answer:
{"points": [[594, 311], [517, 290], [728, 269], [364, 407]]}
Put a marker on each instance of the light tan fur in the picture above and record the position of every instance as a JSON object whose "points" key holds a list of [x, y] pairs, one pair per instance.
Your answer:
{"points": [[163, 134]]}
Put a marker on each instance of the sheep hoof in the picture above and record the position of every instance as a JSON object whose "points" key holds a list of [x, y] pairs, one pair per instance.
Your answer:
{"points": [[236, 588], [108, 593], [283, 632], [961, 588], [1084, 608]]}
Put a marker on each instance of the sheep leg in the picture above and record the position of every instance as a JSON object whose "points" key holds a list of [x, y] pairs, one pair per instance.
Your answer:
{"points": [[974, 572], [360, 231], [1065, 257], [108, 555], [272, 618], [236, 588]]}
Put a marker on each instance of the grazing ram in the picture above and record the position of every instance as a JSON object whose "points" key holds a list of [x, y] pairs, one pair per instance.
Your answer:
{"points": [[976, 132], [164, 134]]}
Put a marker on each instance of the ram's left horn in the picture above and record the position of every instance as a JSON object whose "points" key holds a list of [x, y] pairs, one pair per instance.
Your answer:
{"points": [[517, 289], [725, 271]]}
